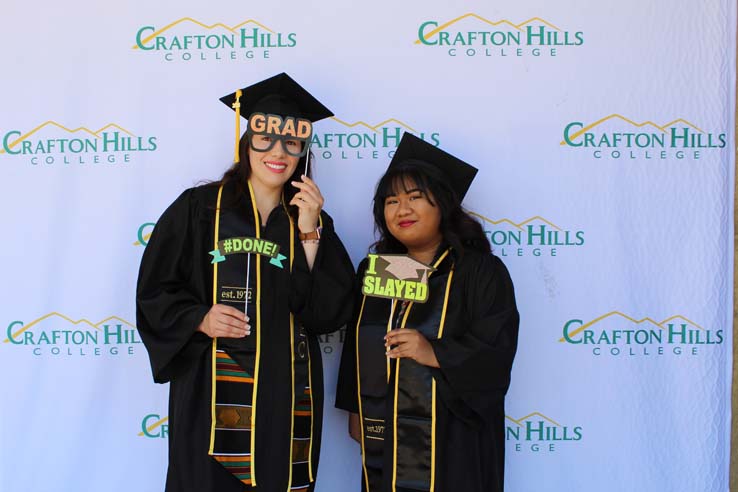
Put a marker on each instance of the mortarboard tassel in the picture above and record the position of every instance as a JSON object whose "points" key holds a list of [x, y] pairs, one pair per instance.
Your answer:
{"points": [[237, 106]]}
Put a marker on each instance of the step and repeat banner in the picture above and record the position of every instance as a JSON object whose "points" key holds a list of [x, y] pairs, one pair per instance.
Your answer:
{"points": [[603, 132]]}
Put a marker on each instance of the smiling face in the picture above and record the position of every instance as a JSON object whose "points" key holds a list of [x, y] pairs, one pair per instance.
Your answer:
{"points": [[272, 168], [412, 216]]}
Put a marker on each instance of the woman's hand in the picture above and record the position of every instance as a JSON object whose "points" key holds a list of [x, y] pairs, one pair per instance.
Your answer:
{"points": [[354, 427], [411, 344], [309, 201], [225, 321]]}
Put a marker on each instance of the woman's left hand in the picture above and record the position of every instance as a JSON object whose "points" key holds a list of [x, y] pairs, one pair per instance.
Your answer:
{"points": [[411, 344], [309, 201]]}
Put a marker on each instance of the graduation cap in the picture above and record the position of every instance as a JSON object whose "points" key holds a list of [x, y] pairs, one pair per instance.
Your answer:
{"points": [[460, 174], [279, 95], [403, 267]]}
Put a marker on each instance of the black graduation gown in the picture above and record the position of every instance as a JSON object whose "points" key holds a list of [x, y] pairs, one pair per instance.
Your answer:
{"points": [[475, 355], [173, 295]]}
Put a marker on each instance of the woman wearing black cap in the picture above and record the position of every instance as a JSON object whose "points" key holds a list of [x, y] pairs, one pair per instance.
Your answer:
{"points": [[426, 383], [238, 279]]}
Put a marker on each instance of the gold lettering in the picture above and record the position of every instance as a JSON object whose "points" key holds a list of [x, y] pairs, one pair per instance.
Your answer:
{"points": [[375, 429]]}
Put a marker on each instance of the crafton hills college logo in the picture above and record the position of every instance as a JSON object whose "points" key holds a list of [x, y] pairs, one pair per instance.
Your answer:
{"points": [[154, 426], [618, 335], [535, 236], [57, 335], [472, 35], [143, 234], [339, 139], [51, 143], [538, 433], [331, 343], [189, 40], [616, 137]]}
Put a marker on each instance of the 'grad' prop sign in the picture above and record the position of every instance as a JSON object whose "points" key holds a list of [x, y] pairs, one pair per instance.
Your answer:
{"points": [[265, 129], [237, 245], [396, 277]]}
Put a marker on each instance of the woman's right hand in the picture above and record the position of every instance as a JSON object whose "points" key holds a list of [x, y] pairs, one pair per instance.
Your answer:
{"points": [[225, 321], [354, 425]]}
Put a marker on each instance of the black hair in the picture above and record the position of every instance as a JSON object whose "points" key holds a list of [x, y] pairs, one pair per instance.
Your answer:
{"points": [[458, 229]]}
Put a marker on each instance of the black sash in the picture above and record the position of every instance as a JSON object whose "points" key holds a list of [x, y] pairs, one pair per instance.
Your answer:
{"points": [[407, 427]]}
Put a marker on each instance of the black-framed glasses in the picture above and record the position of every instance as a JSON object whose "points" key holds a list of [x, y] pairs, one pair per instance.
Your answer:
{"points": [[263, 142]]}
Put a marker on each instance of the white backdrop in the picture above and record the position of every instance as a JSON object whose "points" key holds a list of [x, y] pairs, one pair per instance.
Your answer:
{"points": [[604, 136]]}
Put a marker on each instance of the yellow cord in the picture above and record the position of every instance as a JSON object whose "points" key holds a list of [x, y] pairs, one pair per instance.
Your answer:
{"points": [[237, 106]]}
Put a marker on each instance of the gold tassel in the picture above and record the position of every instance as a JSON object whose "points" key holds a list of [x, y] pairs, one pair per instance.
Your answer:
{"points": [[237, 106]]}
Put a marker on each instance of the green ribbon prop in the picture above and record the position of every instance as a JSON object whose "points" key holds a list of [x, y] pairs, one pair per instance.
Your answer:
{"points": [[278, 260], [217, 257]]}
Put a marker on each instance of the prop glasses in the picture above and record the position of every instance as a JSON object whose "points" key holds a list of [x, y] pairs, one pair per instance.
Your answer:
{"points": [[265, 130]]}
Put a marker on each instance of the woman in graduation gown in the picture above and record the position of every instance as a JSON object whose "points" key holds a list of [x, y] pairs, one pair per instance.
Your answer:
{"points": [[246, 390], [425, 382]]}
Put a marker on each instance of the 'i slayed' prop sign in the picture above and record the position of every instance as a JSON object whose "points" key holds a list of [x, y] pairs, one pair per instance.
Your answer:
{"points": [[396, 277]]}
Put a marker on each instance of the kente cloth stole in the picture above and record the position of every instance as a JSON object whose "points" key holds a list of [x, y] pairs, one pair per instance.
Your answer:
{"points": [[409, 387], [235, 363]]}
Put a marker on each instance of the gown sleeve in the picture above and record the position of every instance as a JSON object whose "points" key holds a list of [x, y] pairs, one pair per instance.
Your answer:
{"points": [[322, 299], [168, 308], [346, 387], [476, 357]]}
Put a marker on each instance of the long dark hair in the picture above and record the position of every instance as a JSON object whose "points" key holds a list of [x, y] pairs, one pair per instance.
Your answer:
{"points": [[240, 172], [459, 229]]}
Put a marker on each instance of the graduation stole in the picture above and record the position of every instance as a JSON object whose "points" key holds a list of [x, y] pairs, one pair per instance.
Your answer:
{"points": [[412, 425], [235, 387]]}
